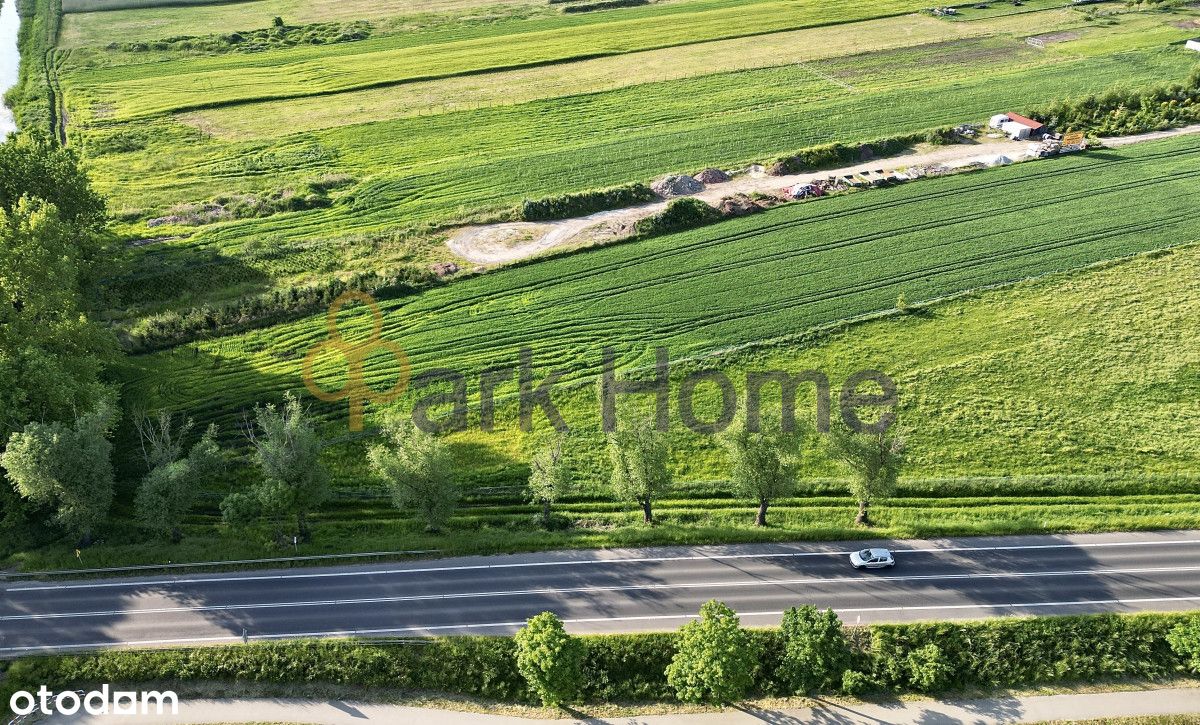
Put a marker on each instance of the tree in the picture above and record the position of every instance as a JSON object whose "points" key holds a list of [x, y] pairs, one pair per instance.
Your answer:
{"points": [[716, 659], [874, 460], [815, 651], [549, 477], [638, 455], [287, 449], [550, 660], [161, 437], [416, 466], [68, 467], [763, 466], [51, 356], [168, 491]]}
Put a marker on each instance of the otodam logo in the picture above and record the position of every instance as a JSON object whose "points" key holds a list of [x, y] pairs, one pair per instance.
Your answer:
{"points": [[356, 390], [96, 702]]}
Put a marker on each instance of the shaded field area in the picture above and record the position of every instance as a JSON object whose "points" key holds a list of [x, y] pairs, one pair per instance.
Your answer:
{"points": [[1059, 404]]}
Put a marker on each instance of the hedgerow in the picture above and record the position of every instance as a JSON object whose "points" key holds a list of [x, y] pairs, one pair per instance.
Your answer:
{"points": [[166, 329], [586, 202], [680, 214], [1123, 111], [258, 40], [928, 657]]}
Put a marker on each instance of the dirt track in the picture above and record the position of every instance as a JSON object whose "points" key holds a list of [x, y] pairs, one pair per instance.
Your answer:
{"points": [[496, 244]]}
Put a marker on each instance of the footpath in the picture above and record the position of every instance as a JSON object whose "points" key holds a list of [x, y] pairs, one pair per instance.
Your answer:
{"points": [[1032, 709]]}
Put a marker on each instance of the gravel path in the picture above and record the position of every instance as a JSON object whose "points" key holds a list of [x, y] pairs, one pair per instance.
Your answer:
{"points": [[496, 244]]}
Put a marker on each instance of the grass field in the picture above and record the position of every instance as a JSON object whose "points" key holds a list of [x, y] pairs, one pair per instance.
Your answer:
{"points": [[415, 150], [1093, 375], [435, 168], [1064, 403], [825, 261]]}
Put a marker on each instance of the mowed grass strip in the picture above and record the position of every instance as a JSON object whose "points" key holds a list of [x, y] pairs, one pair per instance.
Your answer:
{"points": [[741, 282], [150, 89]]}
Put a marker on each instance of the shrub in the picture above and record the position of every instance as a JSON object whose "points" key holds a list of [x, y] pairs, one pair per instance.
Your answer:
{"points": [[587, 202], [928, 670], [716, 660], [1185, 641], [549, 659], [683, 213], [815, 649], [856, 684], [585, 7]]}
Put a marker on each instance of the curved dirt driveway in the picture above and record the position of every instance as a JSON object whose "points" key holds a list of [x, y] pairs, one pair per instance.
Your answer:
{"points": [[495, 244]]}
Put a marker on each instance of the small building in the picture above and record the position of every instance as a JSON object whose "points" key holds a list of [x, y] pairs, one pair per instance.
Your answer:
{"points": [[1036, 128], [1193, 44]]}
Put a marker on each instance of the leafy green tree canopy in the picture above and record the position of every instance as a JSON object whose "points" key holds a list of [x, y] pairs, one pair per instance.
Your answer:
{"points": [[68, 467], [417, 468], [716, 660], [550, 660]]}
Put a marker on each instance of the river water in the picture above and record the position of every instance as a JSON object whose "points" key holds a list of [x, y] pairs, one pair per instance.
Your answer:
{"points": [[9, 60]]}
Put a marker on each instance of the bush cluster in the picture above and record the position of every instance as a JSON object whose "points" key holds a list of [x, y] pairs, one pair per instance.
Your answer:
{"points": [[587, 202], [253, 41], [841, 154], [1127, 111], [684, 213], [587, 7], [924, 657]]}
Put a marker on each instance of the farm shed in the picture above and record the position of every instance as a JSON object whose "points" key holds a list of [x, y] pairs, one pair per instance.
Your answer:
{"points": [[1194, 44], [1017, 127]]}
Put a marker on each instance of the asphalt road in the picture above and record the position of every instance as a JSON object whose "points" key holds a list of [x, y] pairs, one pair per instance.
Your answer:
{"points": [[610, 591]]}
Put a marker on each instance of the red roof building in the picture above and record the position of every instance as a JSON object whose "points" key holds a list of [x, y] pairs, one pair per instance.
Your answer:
{"points": [[1018, 118]]}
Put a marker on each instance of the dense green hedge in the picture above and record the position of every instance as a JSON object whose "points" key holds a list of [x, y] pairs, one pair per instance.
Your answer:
{"points": [[630, 668], [684, 213], [841, 154], [1128, 111], [587, 202]]}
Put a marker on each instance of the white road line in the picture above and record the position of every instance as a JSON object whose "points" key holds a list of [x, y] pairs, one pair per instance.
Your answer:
{"points": [[1016, 606], [535, 564], [598, 589]]}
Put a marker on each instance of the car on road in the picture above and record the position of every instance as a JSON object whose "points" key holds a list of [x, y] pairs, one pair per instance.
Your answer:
{"points": [[872, 559]]}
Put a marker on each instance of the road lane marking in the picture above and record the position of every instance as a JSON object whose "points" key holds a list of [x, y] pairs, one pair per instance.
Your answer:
{"points": [[536, 564], [595, 590], [585, 620]]}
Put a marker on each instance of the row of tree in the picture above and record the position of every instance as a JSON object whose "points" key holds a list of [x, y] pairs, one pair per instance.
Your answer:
{"points": [[715, 660], [67, 467], [53, 400]]}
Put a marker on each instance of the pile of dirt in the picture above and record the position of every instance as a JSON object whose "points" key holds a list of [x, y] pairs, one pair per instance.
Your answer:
{"points": [[711, 176], [444, 269], [741, 205], [675, 185]]}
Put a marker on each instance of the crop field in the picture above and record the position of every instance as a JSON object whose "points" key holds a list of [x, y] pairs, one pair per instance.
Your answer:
{"points": [[168, 128], [439, 168], [140, 90], [762, 278], [1088, 377]]}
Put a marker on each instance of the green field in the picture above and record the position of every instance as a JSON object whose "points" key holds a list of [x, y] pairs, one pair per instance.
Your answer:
{"points": [[1062, 403], [1087, 383], [825, 262], [466, 117]]}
